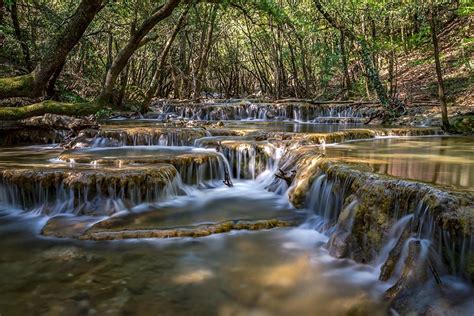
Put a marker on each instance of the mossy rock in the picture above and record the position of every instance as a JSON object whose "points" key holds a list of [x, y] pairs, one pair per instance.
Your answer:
{"points": [[463, 124]]}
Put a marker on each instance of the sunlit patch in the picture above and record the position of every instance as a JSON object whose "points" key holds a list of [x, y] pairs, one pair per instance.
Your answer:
{"points": [[193, 277], [288, 274]]}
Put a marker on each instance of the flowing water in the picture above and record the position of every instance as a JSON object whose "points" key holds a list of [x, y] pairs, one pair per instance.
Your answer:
{"points": [[279, 271]]}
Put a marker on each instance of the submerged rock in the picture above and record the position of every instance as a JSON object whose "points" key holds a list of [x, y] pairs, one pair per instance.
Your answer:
{"points": [[200, 231], [124, 227], [414, 271]]}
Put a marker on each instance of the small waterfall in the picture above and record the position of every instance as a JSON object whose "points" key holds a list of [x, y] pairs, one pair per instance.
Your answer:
{"points": [[300, 112], [204, 174], [335, 207], [393, 238], [147, 137], [326, 200], [247, 159], [91, 192]]}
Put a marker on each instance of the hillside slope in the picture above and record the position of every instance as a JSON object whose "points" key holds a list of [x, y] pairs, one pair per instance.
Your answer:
{"points": [[416, 78]]}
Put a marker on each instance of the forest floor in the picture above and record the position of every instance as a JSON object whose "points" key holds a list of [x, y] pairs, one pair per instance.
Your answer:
{"points": [[416, 80]]}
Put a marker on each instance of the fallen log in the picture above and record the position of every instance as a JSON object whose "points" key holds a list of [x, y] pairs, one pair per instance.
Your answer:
{"points": [[48, 106]]}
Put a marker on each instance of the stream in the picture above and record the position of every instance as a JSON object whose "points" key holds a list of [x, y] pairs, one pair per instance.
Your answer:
{"points": [[78, 227]]}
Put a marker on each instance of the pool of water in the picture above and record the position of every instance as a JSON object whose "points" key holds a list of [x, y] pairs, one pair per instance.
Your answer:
{"points": [[276, 126], [442, 160], [281, 271]]}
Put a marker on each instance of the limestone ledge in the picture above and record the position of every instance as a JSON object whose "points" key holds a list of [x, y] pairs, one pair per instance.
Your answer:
{"points": [[443, 214], [176, 159], [107, 230], [76, 178]]}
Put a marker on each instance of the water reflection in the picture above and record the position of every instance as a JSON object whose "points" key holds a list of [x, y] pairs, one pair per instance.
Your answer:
{"points": [[277, 126], [440, 160]]}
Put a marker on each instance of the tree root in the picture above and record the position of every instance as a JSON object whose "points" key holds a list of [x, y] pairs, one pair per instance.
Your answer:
{"points": [[284, 176]]}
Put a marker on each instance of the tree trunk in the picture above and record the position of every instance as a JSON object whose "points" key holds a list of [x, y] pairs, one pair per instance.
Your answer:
{"points": [[2, 5], [121, 60], [48, 106], [34, 83], [50, 92], [110, 45], [19, 36], [202, 62], [123, 86], [2, 12], [439, 73], [366, 57], [345, 70], [158, 75]]}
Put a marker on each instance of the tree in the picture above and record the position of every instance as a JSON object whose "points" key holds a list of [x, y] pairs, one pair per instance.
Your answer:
{"points": [[34, 84], [122, 58], [439, 73], [19, 36], [158, 74], [366, 56]]}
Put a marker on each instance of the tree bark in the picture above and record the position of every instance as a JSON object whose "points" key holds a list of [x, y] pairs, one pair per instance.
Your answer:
{"points": [[50, 92], [19, 36], [48, 106], [202, 61], [366, 57], [347, 79], [121, 60], [34, 83], [158, 74], [439, 73]]}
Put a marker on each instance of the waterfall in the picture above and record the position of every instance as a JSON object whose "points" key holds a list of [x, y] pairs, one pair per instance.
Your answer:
{"points": [[246, 159], [392, 240], [91, 192], [300, 112], [335, 208], [147, 137], [326, 201]]}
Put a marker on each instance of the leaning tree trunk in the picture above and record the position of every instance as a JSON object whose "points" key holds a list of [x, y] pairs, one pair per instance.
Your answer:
{"points": [[34, 84], [203, 59], [19, 36], [439, 73], [366, 57], [158, 75], [135, 41]]}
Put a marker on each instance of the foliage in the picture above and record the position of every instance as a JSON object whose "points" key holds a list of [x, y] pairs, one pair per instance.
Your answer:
{"points": [[277, 48]]}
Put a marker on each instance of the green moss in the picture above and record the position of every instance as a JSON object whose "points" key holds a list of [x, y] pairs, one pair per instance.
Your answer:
{"points": [[48, 106], [463, 124], [13, 86]]}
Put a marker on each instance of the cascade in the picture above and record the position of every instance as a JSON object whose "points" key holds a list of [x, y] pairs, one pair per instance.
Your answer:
{"points": [[147, 136], [301, 112], [339, 210], [86, 191], [247, 158], [327, 197], [196, 166]]}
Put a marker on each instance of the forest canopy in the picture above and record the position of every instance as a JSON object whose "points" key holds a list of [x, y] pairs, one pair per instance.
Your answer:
{"points": [[125, 53]]}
